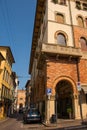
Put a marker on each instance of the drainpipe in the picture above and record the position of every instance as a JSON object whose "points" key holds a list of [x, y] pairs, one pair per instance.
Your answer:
{"points": [[70, 12]]}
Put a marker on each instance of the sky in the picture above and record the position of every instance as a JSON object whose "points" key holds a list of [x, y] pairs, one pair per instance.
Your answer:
{"points": [[16, 30]]}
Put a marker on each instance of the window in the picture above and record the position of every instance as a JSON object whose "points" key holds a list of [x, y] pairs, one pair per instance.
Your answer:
{"points": [[83, 42], [78, 5], [84, 6], [81, 5], [61, 40], [80, 21], [63, 2], [59, 18], [4, 75]]}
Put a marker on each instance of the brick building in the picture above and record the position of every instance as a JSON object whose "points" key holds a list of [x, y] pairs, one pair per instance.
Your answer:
{"points": [[58, 59]]}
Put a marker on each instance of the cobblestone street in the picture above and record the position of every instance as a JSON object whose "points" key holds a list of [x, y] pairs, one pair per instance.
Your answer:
{"points": [[16, 123]]}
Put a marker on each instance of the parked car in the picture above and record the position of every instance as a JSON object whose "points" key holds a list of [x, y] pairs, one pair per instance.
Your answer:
{"points": [[32, 115]]}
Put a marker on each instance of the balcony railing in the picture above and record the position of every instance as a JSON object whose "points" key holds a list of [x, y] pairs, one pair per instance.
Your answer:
{"points": [[62, 50]]}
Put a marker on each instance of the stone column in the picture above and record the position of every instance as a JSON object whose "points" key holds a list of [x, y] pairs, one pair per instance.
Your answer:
{"points": [[50, 108], [76, 107]]}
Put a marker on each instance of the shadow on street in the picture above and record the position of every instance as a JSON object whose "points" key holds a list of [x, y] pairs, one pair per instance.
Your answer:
{"points": [[17, 116]]}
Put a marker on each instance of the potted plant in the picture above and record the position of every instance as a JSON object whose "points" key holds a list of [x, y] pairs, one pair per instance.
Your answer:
{"points": [[69, 111]]}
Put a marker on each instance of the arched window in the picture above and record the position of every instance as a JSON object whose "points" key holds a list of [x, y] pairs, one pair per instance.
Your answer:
{"points": [[80, 21], [83, 42], [59, 18], [61, 40]]}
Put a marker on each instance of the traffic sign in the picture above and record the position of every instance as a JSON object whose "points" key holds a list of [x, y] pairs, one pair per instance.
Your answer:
{"points": [[79, 86], [49, 91]]}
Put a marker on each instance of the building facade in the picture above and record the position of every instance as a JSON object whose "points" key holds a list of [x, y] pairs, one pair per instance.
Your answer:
{"points": [[58, 62], [21, 97], [15, 84], [6, 81], [15, 92], [28, 93]]}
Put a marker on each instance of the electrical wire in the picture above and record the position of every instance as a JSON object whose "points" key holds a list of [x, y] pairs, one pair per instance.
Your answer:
{"points": [[12, 43]]}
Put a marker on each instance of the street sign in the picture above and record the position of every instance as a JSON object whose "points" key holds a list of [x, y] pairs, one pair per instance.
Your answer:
{"points": [[79, 86], [49, 91]]}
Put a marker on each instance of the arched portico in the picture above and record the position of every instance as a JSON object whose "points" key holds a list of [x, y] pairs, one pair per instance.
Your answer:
{"points": [[65, 89]]}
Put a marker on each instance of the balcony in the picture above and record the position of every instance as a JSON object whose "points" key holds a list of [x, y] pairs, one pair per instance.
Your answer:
{"points": [[56, 50], [61, 50]]}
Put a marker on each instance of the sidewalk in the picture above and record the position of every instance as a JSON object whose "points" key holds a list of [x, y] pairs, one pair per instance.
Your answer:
{"points": [[62, 124], [67, 124], [4, 119], [7, 117]]}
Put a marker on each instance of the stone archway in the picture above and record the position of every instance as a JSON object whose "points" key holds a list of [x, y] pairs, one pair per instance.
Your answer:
{"points": [[64, 99]]}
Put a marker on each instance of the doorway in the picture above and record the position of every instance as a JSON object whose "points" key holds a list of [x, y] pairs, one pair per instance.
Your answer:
{"points": [[64, 100]]}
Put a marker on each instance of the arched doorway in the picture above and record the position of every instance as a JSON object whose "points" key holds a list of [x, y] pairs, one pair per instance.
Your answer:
{"points": [[64, 100], [20, 105]]}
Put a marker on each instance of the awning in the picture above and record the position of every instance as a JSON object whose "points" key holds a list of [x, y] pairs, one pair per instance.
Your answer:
{"points": [[84, 87]]}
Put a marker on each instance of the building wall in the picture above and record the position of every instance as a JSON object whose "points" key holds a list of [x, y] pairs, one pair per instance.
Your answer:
{"points": [[79, 32], [54, 26], [72, 68], [83, 71], [52, 8], [75, 12], [6, 81], [21, 98], [60, 68]]}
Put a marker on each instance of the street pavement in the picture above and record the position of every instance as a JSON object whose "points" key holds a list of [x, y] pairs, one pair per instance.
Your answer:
{"points": [[16, 123]]}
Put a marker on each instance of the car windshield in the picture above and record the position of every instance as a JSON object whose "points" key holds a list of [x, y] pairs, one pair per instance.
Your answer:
{"points": [[33, 111]]}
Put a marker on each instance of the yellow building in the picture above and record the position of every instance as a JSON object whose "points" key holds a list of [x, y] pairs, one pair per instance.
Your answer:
{"points": [[6, 81]]}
